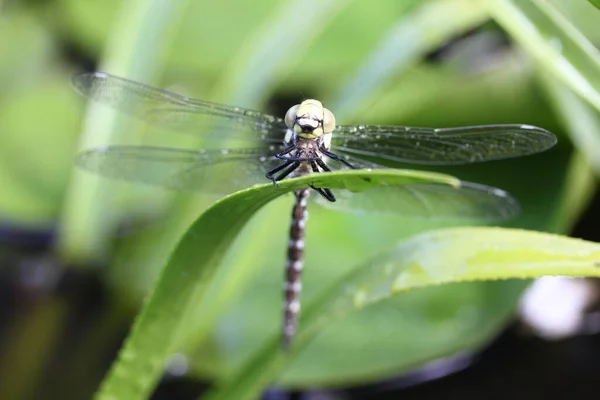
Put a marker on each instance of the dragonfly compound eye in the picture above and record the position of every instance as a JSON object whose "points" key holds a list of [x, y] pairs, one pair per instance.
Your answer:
{"points": [[328, 121], [290, 116]]}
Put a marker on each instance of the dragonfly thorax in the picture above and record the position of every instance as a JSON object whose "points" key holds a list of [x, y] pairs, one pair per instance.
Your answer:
{"points": [[310, 119], [308, 149]]}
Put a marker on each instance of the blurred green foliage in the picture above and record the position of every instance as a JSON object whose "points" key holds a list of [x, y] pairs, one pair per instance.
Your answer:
{"points": [[261, 56]]}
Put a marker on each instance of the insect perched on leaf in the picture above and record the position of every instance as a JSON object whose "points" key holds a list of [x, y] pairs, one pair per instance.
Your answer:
{"points": [[242, 147]]}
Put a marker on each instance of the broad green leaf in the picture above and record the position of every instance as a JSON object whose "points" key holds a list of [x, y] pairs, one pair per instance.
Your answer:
{"points": [[595, 3], [430, 259], [195, 260], [553, 42]]}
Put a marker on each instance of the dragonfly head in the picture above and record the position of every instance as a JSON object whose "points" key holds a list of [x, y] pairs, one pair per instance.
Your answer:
{"points": [[310, 119]]}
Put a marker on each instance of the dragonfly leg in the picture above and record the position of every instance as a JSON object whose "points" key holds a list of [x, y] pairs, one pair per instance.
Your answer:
{"points": [[288, 171], [300, 158], [325, 193], [323, 166], [322, 191], [270, 175], [291, 167], [334, 156], [284, 152]]}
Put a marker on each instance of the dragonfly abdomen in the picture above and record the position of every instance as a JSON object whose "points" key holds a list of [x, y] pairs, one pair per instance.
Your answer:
{"points": [[293, 270]]}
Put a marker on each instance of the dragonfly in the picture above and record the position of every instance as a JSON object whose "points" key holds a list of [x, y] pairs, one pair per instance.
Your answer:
{"points": [[242, 147]]}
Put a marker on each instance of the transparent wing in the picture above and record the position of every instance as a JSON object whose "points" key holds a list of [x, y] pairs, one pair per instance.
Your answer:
{"points": [[447, 146], [224, 171], [210, 171], [178, 112], [469, 202]]}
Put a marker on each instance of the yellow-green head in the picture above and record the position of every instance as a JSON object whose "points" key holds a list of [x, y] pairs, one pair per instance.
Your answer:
{"points": [[310, 119]]}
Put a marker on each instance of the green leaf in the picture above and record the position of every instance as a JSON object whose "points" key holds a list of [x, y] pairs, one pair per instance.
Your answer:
{"points": [[551, 39], [596, 3], [430, 259], [195, 260]]}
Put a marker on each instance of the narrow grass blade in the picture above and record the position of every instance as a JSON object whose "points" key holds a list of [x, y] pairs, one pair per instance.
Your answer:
{"points": [[558, 46]]}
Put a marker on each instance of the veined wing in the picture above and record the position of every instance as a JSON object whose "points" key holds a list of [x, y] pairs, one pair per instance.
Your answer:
{"points": [[178, 112], [446, 146], [471, 202], [210, 171]]}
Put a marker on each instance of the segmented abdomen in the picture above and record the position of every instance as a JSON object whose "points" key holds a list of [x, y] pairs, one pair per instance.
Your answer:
{"points": [[293, 270]]}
